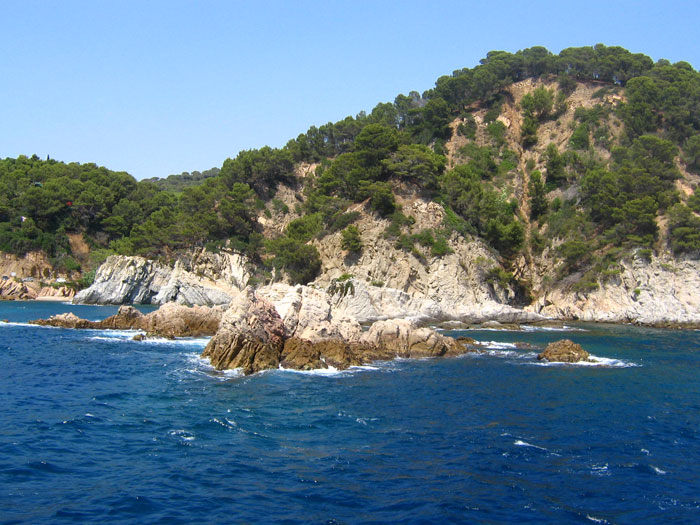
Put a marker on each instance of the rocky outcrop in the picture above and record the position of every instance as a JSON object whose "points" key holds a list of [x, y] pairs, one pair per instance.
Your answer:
{"points": [[11, 289], [56, 293], [171, 320], [201, 278], [250, 338], [404, 339], [294, 327], [125, 280], [662, 291], [564, 351]]}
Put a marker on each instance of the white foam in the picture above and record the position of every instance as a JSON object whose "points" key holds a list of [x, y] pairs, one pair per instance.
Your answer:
{"points": [[596, 520], [12, 323], [184, 435], [127, 336], [658, 470], [563, 328], [521, 443], [497, 345], [594, 361]]}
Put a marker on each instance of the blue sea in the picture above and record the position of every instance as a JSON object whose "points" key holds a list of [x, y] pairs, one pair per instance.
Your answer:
{"points": [[96, 427]]}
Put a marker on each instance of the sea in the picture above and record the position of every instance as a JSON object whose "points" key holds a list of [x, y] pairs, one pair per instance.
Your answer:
{"points": [[96, 427]]}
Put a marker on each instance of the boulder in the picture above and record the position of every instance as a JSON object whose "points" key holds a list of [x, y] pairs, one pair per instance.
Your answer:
{"points": [[564, 351]]}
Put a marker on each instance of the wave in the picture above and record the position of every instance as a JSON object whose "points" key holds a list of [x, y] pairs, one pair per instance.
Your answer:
{"points": [[127, 336], [521, 443], [593, 361], [563, 328], [528, 357]]}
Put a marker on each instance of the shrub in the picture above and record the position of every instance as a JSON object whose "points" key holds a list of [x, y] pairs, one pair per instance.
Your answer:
{"points": [[351, 239]]}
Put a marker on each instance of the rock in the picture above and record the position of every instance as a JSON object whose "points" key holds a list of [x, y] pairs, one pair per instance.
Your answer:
{"points": [[254, 336], [300, 354], [200, 278], [500, 326], [250, 337], [564, 351], [139, 337], [67, 320], [659, 292], [121, 280], [60, 292], [172, 320], [405, 339]]}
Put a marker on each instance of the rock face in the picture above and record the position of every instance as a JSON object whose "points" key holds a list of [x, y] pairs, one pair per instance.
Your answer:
{"points": [[294, 327], [171, 320], [251, 336], [656, 292], [564, 351], [392, 283], [201, 279]]}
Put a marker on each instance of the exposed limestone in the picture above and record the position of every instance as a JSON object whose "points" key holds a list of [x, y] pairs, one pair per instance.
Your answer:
{"points": [[61, 293], [564, 351], [202, 278], [405, 339], [659, 292]]}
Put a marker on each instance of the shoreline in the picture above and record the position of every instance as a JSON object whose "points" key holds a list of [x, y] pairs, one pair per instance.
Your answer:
{"points": [[448, 325]]}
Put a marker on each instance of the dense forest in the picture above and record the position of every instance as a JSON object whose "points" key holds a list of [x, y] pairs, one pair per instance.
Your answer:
{"points": [[623, 160]]}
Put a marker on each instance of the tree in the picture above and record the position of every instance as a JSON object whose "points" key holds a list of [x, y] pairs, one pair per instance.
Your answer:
{"points": [[416, 163], [538, 201]]}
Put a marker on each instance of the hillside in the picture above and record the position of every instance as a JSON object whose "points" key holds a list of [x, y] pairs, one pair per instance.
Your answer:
{"points": [[530, 178]]}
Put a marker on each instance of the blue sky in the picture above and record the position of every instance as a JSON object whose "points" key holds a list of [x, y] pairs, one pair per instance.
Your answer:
{"points": [[161, 87]]}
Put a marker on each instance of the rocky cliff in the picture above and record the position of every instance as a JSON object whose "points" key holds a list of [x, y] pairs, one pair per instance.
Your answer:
{"points": [[661, 291], [201, 278]]}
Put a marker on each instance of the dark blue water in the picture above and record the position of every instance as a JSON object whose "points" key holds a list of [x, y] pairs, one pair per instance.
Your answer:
{"points": [[96, 427]]}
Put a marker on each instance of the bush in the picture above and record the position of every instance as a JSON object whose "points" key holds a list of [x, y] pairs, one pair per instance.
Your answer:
{"points": [[351, 239], [300, 261]]}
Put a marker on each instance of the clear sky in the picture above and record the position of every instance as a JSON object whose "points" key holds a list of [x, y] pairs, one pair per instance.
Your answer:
{"points": [[160, 87]]}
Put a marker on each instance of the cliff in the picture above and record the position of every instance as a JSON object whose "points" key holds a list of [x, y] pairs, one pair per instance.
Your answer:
{"points": [[200, 278]]}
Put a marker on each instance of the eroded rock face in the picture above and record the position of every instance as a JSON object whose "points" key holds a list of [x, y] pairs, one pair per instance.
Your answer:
{"points": [[250, 337], [172, 320], [564, 351], [202, 278]]}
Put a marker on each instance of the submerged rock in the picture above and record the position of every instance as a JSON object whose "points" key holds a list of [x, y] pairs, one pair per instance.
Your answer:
{"points": [[564, 351]]}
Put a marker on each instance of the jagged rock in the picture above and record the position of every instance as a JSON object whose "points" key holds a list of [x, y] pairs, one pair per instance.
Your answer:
{"points": [[170, 320], [201, 279], [254, 336], [139, 337], [500, 326], [121, 280], [67, 320], [176, 320], [657, 292], [301, 354], [405, 339], [250, 337], [564, 351]]}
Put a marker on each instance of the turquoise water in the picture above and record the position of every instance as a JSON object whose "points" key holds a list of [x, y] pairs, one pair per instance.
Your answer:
{"points": [[97, 427]]}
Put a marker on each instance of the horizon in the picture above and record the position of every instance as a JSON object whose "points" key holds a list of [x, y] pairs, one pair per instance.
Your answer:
{"points": [[164, 88]]}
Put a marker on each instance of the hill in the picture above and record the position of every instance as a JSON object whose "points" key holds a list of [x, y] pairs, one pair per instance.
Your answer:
{"points": [[528, 175]]}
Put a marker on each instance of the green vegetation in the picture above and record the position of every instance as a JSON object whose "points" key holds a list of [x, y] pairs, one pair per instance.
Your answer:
{"points": [[620, 166]]}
